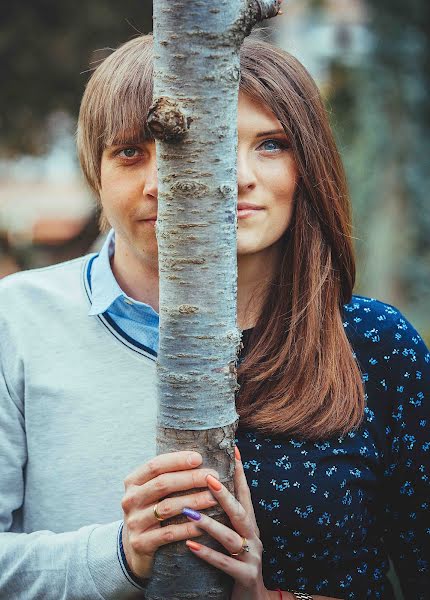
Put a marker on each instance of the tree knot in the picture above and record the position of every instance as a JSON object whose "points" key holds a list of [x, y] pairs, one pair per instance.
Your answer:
{"points": [[194, 188], [167, 121], [187, 309]]}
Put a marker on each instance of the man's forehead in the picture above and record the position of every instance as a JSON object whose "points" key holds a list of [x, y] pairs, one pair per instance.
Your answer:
{"points": [[129, 136]]}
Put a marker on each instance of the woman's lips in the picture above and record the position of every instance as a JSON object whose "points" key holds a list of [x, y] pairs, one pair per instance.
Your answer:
{"points": [[245, 211]]}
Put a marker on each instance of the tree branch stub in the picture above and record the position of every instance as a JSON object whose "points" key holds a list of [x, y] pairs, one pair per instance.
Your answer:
{"points": [[254, 12], [167, 121]]}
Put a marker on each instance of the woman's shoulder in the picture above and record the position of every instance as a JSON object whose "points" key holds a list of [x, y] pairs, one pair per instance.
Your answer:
{"points": [[394, 362], [375, 325]]}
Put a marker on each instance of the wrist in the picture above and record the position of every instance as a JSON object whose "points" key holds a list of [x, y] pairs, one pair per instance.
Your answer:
{"points": [[139, 580]]}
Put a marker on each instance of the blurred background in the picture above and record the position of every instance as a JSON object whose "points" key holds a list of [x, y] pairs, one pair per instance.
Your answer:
{"points": [[370, 58]]}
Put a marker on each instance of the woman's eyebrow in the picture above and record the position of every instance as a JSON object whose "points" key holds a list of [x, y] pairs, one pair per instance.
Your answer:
{"points": [[262, 134]]}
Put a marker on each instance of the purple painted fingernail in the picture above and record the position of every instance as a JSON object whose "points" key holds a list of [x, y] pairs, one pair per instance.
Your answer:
{"points": [[192, 514]]}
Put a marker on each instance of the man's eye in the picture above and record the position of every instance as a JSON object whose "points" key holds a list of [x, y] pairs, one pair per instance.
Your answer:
{"points": [[128, 153]]}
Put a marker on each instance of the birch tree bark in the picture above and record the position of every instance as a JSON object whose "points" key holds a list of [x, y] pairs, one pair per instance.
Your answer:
{"points": [[194, 120]]}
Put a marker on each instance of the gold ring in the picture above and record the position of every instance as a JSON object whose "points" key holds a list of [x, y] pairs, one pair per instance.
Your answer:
{"points": [[243, 548], [157, 516]]}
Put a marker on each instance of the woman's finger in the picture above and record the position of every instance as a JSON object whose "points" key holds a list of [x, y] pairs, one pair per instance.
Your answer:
{"points": [[237, 514], [241, 487], [239, 571], [242, 491], [228, 538]]}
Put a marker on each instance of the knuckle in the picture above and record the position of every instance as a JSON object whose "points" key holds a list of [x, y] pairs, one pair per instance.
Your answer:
{"points": [[198, 501], [224, 561], [196, 479], [128, 481], [191, 530], [167, 535], [165, 509], [152, 468], [160, 486], [239, 511], [128, 501], [132, 524], [231, 540], [257, 543], [253, 574], [135, 543]]}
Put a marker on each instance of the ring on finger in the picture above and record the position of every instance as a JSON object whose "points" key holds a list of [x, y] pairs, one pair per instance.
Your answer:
{"points": [[243, 548], [156, 513]]}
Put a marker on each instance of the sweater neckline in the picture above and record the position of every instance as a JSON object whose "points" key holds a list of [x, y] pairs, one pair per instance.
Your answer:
{"points": [[109, 323]]}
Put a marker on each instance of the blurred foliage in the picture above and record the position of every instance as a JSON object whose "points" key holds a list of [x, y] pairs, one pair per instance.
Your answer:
{"points": [[382, 119], [46, 49], [313, 5]]}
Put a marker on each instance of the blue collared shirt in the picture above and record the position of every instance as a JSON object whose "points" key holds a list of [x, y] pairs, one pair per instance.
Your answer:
{"points": [[137, 319]]}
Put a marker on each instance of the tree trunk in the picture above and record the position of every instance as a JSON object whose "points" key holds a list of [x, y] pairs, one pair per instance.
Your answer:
{"points": [[194, 119]]}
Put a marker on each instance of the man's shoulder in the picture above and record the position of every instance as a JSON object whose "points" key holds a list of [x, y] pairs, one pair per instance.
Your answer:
{"points": [[64, 279]]}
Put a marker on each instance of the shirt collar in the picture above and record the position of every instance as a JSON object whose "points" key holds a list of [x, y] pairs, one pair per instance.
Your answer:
{"points": [[104, 287]]}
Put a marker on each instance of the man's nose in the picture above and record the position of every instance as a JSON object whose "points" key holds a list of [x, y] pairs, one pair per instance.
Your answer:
{"points": [[150, 187]]}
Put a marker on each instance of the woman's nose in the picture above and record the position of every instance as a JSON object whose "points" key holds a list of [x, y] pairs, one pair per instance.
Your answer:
{"points": [[245, 173]]}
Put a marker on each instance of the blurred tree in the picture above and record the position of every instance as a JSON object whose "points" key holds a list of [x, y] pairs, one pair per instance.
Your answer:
{"points": [[403, 52], [46, 49], [383, 122]]}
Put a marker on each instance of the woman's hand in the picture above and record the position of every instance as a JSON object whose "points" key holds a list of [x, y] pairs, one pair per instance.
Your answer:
{"points": [[245, 567], [145, 488]]}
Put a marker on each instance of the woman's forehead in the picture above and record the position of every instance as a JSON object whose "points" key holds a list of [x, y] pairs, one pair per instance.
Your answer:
{"points": [[254, 115]]}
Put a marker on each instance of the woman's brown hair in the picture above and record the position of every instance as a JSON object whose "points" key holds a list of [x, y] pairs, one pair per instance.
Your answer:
{"points": [[299, 376]]}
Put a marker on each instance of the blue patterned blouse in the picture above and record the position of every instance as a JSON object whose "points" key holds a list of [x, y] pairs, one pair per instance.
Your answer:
{"points": [[331, 513]]}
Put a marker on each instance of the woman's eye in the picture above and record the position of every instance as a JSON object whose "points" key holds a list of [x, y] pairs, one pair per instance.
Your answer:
{"points": [[272, 145]]}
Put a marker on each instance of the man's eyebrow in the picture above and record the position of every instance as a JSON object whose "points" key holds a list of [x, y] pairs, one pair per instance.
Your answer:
{"points": [[127, 141], [272, 132], [131, 138]]}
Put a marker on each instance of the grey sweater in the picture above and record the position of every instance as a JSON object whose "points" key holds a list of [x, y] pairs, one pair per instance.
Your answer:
{"points": [[77, 414]]}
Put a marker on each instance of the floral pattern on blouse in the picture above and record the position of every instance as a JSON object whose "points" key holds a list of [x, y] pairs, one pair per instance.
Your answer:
{"points": [[331, 513]]}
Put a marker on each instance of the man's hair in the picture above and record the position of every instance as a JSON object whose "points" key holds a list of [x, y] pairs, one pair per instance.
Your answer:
{"points": [[115, 104], [300, 376]]}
